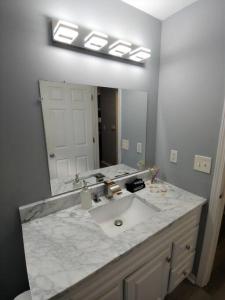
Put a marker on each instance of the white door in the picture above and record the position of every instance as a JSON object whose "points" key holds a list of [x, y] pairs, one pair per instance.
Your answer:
{"points": [[67, 114]]}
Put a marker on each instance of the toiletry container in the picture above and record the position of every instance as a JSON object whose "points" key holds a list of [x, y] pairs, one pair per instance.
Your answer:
{"points": [[85, 195], [77, 183]]}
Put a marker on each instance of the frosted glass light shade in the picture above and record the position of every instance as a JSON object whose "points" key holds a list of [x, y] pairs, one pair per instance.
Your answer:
{"points": [[96, 40], [65, 32], [140, 54], [120, 48]]}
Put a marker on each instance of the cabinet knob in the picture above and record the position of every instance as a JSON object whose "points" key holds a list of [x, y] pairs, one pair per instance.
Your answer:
{"points": [[188, 247], [184, 273], [168, 259], [52, 155]]}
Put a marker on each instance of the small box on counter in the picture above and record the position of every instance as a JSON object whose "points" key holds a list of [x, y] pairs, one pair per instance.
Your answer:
{"points": [[135, 185]]}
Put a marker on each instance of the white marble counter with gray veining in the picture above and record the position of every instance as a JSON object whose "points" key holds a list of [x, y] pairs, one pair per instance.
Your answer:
{"points": [[65, 247]]}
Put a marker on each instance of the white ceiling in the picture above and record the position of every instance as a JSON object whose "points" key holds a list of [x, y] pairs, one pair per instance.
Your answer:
{"points": [[160, 9]]}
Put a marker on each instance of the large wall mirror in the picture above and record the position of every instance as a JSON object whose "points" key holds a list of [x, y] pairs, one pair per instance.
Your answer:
{"points": [[92, 133]]}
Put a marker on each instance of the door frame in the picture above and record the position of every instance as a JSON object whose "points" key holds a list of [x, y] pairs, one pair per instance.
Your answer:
{"points": [[95, 126], [119, 125], [215, 212]]}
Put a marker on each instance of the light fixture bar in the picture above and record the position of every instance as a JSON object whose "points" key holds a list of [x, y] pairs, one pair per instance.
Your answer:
{"points": [[65, 32]]}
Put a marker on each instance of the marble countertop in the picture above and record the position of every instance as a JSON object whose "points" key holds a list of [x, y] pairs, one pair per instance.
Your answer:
{"points": [[65, 247]]}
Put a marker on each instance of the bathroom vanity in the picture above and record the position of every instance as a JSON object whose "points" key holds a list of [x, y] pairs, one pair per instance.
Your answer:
{"points": [[71, 254]]}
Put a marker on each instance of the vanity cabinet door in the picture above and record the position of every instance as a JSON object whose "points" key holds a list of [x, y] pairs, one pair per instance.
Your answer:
{"points": [[115, 294], [151, 281]]}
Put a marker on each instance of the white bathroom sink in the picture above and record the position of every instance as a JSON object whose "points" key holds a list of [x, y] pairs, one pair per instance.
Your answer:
{"points": [[130, 211]]}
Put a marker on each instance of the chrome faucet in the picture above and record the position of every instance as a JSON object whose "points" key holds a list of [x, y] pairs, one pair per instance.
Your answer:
{"points": [[112, 189]]}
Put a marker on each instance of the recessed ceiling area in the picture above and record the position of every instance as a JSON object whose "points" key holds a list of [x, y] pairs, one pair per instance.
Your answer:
{"points": [[160, 9]]}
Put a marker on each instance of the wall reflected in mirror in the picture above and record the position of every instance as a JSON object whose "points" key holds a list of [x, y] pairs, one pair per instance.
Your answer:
{"points": [[92, 133]]}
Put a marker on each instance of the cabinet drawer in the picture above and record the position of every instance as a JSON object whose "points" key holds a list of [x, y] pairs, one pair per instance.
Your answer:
{"points": [[184, 246], [181, 272], [115, 294]]}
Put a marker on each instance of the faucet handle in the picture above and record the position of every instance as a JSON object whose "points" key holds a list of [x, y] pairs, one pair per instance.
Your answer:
{"points": [[112, 188], [108, 182], [77, 178], [96, 198]]}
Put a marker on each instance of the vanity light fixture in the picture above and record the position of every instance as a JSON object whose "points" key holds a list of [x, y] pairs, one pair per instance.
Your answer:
{"points": [[65, 32], [84, 38], [120, 48], [140, 54], [96, 40]]}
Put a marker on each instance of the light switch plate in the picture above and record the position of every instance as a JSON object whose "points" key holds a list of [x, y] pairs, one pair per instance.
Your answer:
{"points": [[125, 144], [139, 147], [173, 156], [202, 163]]}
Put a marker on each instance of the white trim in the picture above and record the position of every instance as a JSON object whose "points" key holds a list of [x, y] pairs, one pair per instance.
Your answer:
{"points": [[119, 122], [95, 126], [192, 278], [215, 212], [42, 84]]}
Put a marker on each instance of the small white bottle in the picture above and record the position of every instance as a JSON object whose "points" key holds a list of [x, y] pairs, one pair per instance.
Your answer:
{"points": [[77, 183], [85, 196]]}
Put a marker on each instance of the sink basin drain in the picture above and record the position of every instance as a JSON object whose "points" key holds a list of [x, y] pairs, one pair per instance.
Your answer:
{"points": [[118, 222]]}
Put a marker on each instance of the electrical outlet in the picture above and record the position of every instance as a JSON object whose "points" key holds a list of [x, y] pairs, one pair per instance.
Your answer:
{"points": [[173, 156], [125, 144], [139, 147], [202, 163]]}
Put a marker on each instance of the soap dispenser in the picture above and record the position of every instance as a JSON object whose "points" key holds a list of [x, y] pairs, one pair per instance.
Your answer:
{"points": [[85, 195]]}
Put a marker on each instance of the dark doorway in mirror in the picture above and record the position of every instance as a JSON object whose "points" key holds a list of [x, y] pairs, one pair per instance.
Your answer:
{"points": [[108, 126]]}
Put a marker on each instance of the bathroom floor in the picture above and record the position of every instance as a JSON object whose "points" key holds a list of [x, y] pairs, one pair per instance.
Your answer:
{"points": [[216, 287]]}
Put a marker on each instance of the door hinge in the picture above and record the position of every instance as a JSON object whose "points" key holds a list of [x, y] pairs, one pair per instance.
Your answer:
{"points": [[93, 140], [40, 99], [92, 97]]}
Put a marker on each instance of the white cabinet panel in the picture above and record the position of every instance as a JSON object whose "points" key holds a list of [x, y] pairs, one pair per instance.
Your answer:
{"points": [[150, 282], [181, 272]]}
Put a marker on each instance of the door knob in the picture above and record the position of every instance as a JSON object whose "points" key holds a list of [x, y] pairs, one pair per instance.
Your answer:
{"points": [[52, 155], [168, 259]]}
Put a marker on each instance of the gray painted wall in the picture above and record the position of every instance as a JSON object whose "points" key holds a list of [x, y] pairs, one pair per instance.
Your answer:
{"points": [[27, 56], [133, 125], [191, 92]]}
